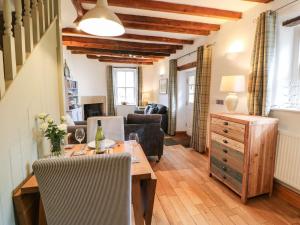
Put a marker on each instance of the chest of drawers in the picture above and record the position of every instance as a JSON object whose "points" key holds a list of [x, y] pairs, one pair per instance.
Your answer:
{"points": [[242, 152]]}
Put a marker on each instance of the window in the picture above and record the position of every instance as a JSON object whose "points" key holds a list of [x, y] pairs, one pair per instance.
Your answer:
{"points": [[191, 88], [287, 72], [125, 80]]}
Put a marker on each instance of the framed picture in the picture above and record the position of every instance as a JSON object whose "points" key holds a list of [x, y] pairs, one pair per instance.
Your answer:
{"points": [[163, 86]]}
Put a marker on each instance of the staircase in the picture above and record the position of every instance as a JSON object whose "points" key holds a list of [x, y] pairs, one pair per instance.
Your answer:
{"points": [[22, 30]]}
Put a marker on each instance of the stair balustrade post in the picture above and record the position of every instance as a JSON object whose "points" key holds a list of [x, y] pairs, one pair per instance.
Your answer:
{"points": [[19, 34], [28, 26], [9, 51], [35, 22], [2, 80], [41, 17], [47, 14], [51, 10]]}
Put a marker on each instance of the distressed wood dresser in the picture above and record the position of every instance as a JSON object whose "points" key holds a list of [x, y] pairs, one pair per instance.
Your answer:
{"points": [[242, 152]]}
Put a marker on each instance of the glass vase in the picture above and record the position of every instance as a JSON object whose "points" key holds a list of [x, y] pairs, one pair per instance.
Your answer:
{"points": [[56, 148]]}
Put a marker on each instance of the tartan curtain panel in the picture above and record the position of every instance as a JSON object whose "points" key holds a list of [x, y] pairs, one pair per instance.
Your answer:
{"points": [[263, 57], [201, 99], [172, 97], [140, 86], [110, 92]]}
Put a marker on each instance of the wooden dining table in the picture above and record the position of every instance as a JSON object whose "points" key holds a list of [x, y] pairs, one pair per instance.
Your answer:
{"points": [[29, 206]]}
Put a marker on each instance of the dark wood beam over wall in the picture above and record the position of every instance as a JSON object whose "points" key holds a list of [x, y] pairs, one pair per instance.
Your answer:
{"points": [[292, 22], [116, 55], [187, 66], [173, 8], [108, 51], [73, 31]]}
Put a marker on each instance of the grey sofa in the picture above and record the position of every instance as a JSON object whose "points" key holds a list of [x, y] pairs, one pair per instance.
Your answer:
{"points": [[148, 128]]}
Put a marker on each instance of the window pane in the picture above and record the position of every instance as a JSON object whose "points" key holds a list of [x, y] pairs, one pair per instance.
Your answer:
{"points": [[130, 95], [191, 98], [121, 95], [121, 79], [129, 79], [191, 80], [191, 89]]}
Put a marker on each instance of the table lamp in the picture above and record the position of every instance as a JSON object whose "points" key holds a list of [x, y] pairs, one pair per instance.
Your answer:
{"points": [[233, 85]]}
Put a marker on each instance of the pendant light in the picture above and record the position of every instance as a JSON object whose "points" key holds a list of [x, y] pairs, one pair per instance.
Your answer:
{"points": [[101, 21]]}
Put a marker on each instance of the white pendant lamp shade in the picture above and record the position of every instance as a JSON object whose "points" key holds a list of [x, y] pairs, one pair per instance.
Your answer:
{"points": [[101, 21]]}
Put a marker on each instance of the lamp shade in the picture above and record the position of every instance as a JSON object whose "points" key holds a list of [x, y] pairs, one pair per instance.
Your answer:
{"points": [[101, 21], [234, 83]]}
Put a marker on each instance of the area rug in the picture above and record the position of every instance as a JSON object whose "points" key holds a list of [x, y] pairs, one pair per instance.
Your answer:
{"points": [[169, 141]]}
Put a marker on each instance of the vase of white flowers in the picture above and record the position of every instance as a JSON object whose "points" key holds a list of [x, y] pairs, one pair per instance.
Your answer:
{"points": [[54, 132]]}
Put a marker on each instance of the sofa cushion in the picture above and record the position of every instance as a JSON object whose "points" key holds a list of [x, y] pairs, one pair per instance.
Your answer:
{"points": [[143, 119], [161, 109]]}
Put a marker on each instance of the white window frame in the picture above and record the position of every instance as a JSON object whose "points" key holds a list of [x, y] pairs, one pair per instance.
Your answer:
{"points": [[115, 82], [190, 74], [296, 55]]}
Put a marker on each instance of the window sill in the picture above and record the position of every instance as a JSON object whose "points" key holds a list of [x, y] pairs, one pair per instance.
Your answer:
{"points": [[286, 110]]}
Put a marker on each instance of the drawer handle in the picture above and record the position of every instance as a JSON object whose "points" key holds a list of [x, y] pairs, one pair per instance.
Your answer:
{"points": [[226, 123], [224, 160], [224, 177], [225, 131], [225, 151], [224, 168], [225, 141]]}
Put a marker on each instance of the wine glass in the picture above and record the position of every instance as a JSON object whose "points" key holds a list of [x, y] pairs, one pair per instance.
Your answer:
{"points": [[79, 136], [133, 141]]}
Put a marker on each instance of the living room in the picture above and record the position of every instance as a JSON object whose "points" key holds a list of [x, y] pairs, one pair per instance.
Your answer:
{"points": [[172, 113]]}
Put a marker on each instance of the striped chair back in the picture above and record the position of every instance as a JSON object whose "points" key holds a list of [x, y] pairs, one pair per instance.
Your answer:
{"points": [[88, 190]]}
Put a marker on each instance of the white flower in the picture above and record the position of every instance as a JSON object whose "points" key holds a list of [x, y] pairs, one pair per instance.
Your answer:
{"points": [[62, 127], [63, 119], [44, 126], [42, 116], [50, 119]]}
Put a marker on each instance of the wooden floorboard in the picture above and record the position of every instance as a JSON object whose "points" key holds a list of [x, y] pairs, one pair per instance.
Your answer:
{"points": [[186, 195]]}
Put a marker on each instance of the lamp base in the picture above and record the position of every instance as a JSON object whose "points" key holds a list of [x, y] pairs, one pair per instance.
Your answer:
{"points": [[231, 102]]}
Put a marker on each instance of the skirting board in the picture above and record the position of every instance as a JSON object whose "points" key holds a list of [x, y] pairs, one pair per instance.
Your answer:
{"points": [[287, 194]]}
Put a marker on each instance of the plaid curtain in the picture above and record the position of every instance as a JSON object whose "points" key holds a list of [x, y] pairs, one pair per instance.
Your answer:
{"points": [[263, 56], [110, 92], [172, 97], [202, 94], [140, 86]]}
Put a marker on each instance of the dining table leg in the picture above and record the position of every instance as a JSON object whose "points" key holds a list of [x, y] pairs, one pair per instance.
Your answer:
{"points": [[148, 192], [137, 202]]}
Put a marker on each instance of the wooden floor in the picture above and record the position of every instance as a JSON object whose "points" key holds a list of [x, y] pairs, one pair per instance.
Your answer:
{"points": [[186, 195]]}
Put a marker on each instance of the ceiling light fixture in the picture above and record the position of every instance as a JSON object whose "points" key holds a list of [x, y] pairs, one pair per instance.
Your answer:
{"points": [[101, 21]]}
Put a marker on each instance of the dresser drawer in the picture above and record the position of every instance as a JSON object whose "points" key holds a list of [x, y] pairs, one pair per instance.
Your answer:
{"points": [[238, 146], [227, 175], [228, 131], [227, 155]]}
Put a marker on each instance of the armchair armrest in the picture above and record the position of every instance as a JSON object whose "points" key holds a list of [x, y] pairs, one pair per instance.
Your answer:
{"points": [[139, 111]]}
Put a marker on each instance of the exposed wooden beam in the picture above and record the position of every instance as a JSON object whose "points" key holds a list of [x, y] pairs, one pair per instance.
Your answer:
{"points": [[117, 43], [291, 22], [180, 30], [120, 58], [259, 1], [131, 61], [73, 31], [168, 22], [83, 52], [187, 66], [108, 51], [173, 8]]}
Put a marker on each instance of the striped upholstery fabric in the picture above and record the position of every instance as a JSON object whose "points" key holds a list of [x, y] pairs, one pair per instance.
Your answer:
{"points": [[202, 96], [89, 190], [110, 92], [172, 112], [263, 61]]}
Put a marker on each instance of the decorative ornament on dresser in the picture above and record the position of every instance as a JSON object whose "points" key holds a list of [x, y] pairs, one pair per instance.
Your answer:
{"points": [[54, 132]]}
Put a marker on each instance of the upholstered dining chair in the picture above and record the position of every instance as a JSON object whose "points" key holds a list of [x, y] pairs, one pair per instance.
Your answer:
{"points": [[87, 190], [113, 127]]}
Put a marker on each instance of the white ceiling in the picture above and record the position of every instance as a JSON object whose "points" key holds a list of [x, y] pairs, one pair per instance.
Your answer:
{"points": [[69, 14]]}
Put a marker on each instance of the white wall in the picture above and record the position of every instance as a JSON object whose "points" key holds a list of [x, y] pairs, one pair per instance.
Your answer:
{"points": [[34, 90]]}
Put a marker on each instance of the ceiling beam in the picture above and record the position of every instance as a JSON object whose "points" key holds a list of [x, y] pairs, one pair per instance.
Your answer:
{"points": [[117, 43], [187, 66], [108, 51], [173, 8], [291, 22], [73, 31], [84, 52], [119, 58], [180, 30], [259, 1], [126, 61], [168, 22]]}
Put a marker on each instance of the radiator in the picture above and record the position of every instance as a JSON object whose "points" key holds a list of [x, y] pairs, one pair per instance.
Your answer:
{"points": [[287, 167]]}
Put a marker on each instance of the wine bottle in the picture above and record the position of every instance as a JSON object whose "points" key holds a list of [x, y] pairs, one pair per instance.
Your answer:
{"points": [[99, 137]]}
